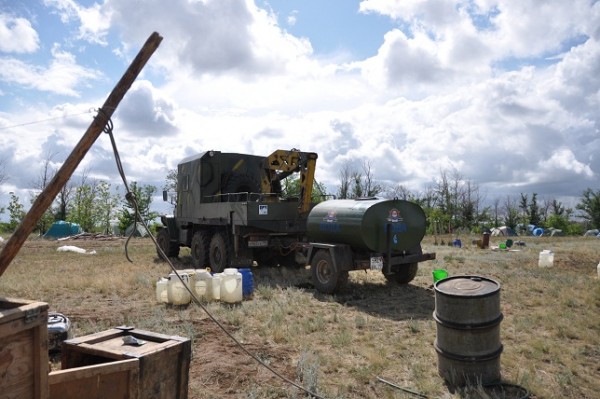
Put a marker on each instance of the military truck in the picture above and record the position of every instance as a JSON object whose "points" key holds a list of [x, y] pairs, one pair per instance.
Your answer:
{"points": [[231, 211]]}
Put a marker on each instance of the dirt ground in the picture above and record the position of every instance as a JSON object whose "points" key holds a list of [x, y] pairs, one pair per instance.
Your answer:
{"points": [[350, 333]]}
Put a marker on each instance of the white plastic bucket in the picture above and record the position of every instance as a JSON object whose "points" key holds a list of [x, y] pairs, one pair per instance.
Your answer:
{"points": [[203, 285], [546, 258], [161, 290], [177, 293], [231, 286]]}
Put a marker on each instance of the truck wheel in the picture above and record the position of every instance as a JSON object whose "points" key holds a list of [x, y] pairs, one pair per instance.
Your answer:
{"points": [[199, 249], [219, 252], [327, 278], [169, 247], [404, 274]]}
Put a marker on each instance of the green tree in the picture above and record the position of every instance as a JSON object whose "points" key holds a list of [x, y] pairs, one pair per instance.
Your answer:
{"points": [[81, 208], [590, 207], [105, 205], [143, 195], [530, 209], [291, 188], [511, 218], [16, 212]]}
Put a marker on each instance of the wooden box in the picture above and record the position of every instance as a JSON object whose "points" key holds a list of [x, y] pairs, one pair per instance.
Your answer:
{"points": [[23, 349], [163, 361], [113, 380]]}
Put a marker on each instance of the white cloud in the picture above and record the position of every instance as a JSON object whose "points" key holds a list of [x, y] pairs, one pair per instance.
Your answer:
{"points": [[94, 21], [212, 37], [17, 35], [562, 165], [433, 98], [62, 76]]}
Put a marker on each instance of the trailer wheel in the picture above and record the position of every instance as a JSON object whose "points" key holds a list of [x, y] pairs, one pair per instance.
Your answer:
{"points": [[199, 249], [327, 278], [404, 274], [219, 253], [169, 247]]}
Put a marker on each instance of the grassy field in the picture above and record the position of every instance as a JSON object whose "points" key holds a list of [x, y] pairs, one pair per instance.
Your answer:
{"points": [[338, 345]]}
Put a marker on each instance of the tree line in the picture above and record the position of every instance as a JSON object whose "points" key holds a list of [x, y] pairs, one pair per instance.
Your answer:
{"points": [[454, 203], [451, 203], [91, 203]]}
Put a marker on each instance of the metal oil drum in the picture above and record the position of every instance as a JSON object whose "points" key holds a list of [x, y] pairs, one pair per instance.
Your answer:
{"points": [[467, 314]]}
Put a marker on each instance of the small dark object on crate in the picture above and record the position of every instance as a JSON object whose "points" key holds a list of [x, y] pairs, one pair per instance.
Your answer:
{"points": [[58, 330]]}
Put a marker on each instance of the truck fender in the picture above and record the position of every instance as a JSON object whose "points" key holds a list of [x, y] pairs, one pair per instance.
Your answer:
{"points": [[341, 254], [170, 224]]}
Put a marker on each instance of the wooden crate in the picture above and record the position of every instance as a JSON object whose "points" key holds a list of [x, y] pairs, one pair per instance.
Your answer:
{"points": [[23, 349], [113, 380], [164, 360]]}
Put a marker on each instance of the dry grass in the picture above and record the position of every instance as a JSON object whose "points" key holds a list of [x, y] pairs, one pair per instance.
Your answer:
{"points": [[339, 345]]}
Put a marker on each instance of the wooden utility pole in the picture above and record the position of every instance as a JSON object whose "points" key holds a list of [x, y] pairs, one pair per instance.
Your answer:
{"points": [[47, 196]]}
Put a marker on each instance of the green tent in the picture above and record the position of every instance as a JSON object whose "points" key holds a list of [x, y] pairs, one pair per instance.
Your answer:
{"points": [[61, 229], [138, 230]]}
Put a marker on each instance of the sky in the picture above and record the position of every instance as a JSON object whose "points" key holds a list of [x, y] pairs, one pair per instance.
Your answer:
{"points": [[505, 93]]}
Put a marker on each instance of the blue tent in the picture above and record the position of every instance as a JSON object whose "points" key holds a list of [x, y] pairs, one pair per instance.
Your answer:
{"points": [[61, 229]]}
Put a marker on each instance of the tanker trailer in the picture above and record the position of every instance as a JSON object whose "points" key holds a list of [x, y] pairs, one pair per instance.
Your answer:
{"points": [[360, 234]]}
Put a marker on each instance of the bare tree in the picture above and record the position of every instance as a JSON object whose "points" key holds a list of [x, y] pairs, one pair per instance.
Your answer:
{"points": [[46, 174], [398, 191], [370, 187], [345, 181]]}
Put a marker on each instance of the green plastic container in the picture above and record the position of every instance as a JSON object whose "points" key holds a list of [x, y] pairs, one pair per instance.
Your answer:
{"points": [[439, 274]]}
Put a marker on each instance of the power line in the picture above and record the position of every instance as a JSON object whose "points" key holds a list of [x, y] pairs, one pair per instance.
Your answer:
{"points": [[89, 111]]}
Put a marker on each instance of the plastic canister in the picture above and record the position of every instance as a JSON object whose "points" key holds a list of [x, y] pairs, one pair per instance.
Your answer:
{"points": [[231, 286], [546, 258], [177, 293], [161, 290], [216, 286], [247, 282], [203, 284]]}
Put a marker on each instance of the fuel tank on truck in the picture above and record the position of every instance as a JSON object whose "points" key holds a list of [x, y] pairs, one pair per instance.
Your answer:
{"points": [[362, 223]]}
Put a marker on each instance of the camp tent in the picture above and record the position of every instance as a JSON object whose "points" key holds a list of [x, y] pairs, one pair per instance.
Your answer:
{"points": [[61, 229], [592, 233], [138, 230], [555, 232], [503, 231]]}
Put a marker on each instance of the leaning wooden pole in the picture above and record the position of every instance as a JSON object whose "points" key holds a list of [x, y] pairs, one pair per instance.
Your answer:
{"points": [[47, 196]]}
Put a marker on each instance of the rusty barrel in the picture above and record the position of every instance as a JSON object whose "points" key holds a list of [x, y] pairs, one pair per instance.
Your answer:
{"points": [[467, 315]]}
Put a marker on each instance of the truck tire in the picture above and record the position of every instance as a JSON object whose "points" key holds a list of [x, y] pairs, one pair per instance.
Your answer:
{"points": [[404, 274], [327, 278], [219, 252], [240, 183], [168, 246], [199, 249]]}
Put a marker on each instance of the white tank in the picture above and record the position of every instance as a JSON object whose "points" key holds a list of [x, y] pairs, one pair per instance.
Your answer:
{"points": [[177, 293], [231, 286]]}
